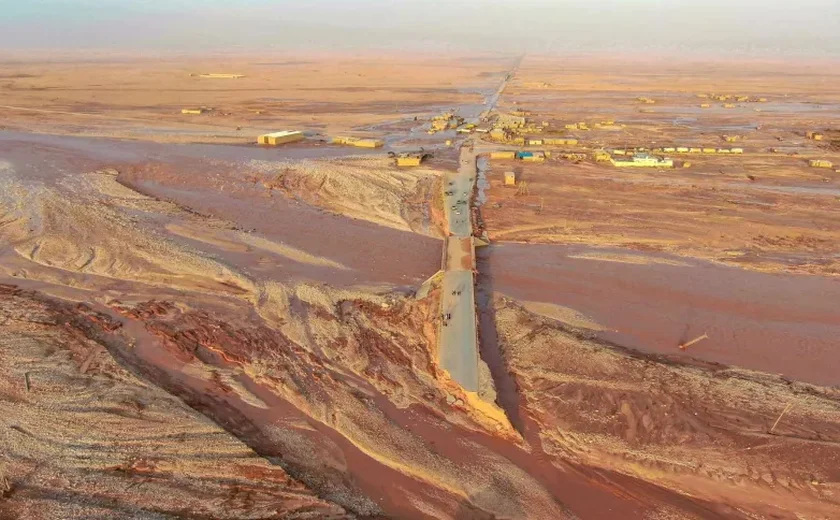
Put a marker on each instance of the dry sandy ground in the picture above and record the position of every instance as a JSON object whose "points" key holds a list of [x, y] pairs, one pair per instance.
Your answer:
{"points": [[328, 95], [83, 438], [764, 210]]}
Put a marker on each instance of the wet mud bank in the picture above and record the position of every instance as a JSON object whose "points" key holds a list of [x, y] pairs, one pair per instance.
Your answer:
{"points": [[364, 253]]}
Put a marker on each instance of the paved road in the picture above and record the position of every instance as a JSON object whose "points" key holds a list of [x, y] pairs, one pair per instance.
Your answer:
{"points": [[458, 338]]}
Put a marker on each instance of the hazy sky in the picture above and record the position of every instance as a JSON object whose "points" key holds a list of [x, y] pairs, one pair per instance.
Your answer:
{"points": [[757, 27]]}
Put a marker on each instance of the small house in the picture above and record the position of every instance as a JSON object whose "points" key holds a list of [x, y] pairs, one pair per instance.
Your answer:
{"points": [[283, 137], [411, 158], [502, 154], [369, 143], [820, 163]]}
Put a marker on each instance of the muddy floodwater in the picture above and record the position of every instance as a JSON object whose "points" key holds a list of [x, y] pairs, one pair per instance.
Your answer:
{"points": [[786, 324], [337, 250]]}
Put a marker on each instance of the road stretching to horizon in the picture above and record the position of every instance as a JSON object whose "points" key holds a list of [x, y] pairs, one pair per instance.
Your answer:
{"points": [[458, 331]]}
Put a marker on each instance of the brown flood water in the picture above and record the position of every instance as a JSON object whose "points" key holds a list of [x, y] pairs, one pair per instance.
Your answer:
{"points": [[371, 254], [777, 323]]}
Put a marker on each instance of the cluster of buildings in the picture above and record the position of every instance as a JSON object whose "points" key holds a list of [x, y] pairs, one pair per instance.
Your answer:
{"points": [[291, 136], [447, 121], [642, 160], [516, 129], [522, 155], [732, 97], [551, 141], [683, 149]]}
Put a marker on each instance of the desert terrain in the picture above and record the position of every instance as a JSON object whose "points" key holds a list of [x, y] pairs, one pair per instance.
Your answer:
{"points": [[327, 95], [198, 327]]}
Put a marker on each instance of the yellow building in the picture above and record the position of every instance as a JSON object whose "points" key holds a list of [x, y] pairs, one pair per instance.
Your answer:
{"points": [[601, 156], [559, 141], [498, 134], [510, 179], [820, 163], [369, 143], [705, 105], [410, 158], [510, 121], [193, 111], [531, 156], [503, 155], [642, 160], [535, 142], [283, 137], [408, 161]]}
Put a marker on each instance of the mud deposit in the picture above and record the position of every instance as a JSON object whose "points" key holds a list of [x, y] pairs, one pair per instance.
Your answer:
{"points": [[786, 324]]}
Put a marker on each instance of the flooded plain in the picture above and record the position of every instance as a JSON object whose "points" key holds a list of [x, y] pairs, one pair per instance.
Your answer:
{"points": [[277, 237], [777, 323]]}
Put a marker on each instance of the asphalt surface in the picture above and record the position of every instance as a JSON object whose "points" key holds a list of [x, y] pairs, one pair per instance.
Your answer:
{"points": [[458, 337]]}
